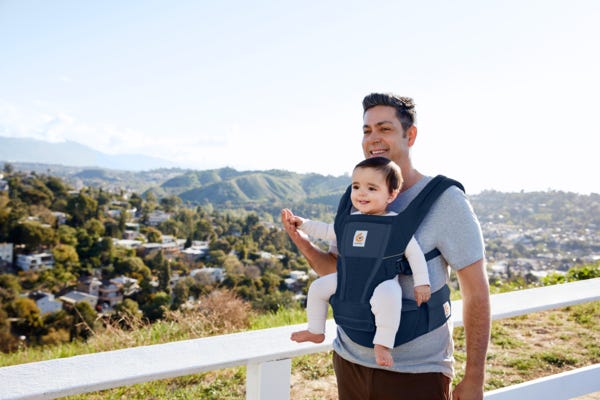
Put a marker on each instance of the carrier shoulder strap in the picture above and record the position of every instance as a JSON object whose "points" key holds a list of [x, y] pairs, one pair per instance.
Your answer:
{"points": [[412, 216]]}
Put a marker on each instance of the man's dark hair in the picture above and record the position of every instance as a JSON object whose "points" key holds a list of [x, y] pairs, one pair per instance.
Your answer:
{"points": [[391, 170], [405, 106]]}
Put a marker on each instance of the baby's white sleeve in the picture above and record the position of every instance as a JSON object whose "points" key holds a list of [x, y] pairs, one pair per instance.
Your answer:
{"points": [[318, 229], [418, 264]]}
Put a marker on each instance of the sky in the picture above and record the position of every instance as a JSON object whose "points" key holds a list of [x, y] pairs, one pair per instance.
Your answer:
{"points": [[506, 92]]}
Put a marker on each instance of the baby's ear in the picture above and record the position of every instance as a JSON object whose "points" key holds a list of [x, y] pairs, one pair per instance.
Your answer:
{"points": [[393, 195]]}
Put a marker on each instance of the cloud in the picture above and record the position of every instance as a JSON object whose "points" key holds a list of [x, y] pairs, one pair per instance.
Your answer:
{"points": [[42, 122]]}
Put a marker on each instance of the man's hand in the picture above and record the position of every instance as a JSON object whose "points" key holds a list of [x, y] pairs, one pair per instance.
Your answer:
{"points": [[322, 262], [468, 390]]}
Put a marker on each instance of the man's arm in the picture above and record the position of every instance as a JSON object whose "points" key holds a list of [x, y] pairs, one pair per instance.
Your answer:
{"points": [[322, 262], [475, 293]]}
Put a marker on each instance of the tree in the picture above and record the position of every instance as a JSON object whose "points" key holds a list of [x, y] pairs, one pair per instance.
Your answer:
{"points": [[33, 235], [67, 235], [203, 230], [163, 269], [170, 203], [29, 320], [136, 201], [128, 314], [8, 168], [221, 244], [81, 208], [153, 235], [181, 293], [133, 267], [94, 228], [84, 320], [8, 342], [156, 307], [170, 227], [250, 224], [9, 289], [57, 186], [66, 264], [65, 255]]}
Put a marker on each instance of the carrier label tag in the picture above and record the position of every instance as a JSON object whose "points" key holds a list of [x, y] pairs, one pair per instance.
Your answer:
{"points": [[447, 309], [360, 237]]}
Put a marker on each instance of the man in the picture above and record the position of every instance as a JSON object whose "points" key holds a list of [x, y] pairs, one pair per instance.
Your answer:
{"points": [[422, 367]]}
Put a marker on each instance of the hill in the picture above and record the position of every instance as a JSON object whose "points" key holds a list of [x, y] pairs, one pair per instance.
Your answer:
{"points": [[217, 186]]}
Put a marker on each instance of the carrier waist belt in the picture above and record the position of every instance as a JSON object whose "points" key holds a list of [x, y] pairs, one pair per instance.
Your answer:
{"points": [[358, 322]]}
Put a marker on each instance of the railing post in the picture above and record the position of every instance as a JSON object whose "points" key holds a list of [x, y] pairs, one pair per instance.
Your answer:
{"points": [[269, 380]]}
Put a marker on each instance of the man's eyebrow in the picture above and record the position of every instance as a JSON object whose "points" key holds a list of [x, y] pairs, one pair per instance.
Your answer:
{"points": [[379, 123]]}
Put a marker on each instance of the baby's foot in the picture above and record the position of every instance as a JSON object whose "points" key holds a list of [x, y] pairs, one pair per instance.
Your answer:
{"points": [[306, 336], [383, 356]]}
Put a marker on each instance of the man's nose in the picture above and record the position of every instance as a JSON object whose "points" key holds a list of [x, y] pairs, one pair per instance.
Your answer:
{"points": [[374, 137]]}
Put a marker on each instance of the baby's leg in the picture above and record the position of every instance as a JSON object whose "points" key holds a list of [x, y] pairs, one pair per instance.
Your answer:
{"points": [[386, 305], [317, 301]]}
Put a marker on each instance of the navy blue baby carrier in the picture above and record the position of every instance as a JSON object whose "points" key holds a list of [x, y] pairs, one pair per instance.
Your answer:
{"points": [[371, 250]]}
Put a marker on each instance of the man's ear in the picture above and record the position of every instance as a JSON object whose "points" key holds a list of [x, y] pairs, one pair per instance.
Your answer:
{"points": [[411, 133]]}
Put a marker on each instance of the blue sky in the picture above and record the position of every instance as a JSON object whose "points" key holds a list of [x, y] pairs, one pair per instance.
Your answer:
{"points": [[507, 92]]}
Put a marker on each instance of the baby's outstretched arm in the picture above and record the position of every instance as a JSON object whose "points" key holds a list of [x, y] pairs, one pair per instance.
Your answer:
{"points": [[422, 294]]}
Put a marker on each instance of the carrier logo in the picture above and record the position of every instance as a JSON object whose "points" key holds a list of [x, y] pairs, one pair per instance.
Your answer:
{"points": [[360, 237]]}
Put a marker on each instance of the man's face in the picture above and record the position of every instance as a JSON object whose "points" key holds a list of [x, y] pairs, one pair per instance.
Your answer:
{"points": [[383, 135]]}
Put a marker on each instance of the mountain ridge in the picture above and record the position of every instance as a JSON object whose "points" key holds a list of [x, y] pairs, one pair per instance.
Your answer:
{"points": [[72, 153]]}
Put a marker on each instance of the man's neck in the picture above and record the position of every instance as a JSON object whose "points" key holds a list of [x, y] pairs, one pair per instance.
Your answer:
{"points": [[410, 177]]}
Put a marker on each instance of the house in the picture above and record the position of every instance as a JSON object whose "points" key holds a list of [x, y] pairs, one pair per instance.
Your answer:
{"points": [[127, 243], [157, 217], [129, 286], [75, 296], [90, 285], [110, 294], [61, 217], [132, 230], [6, 252], [115, 214], [35, 262], [4, 185], [267, 256], [45, 302], [214, 275], [196, 251], [297, 280]]}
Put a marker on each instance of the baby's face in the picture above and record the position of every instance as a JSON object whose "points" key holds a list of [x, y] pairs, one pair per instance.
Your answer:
{"points": [[370, 194]]}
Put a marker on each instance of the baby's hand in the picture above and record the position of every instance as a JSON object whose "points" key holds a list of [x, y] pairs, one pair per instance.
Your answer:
{"points": [[422, 294], [288, 215]]}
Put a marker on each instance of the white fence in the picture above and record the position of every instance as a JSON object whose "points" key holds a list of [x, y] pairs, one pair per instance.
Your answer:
{"points": [[267, 354]]}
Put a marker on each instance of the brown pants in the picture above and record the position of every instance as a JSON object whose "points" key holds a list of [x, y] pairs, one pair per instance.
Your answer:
{"points": [[356, 382]]}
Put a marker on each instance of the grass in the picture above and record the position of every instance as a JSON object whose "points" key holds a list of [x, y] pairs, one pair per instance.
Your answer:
{"points": [[521, 349], [536, 345]]}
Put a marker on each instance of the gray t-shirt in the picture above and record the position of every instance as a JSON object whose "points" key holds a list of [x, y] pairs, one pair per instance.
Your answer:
{"points": [[452, 227]]}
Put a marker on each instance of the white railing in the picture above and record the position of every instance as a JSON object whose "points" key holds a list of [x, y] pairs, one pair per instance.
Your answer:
{"points": [[267, 354]]}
